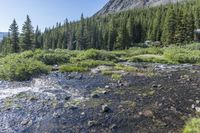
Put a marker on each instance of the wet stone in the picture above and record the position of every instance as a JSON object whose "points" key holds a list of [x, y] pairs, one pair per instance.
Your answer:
{"points": [[105, 108], [73, 107], [56, 115], [156, 86], [26, 122], [197, 109], [55, 68], [92, 123], [113, 127], [107, 87], [146, 113], [94, 95]]}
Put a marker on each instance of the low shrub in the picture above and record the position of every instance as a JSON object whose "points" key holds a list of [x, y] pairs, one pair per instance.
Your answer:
{"points": [[52, 58], [150, 58], [20, 69], [180, 55], [95, 55], [142, 51], [193, 46], [26, 54], [192, 126]]}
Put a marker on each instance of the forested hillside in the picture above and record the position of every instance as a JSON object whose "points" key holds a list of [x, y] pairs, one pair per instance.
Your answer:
{"points": [[169, 24]]}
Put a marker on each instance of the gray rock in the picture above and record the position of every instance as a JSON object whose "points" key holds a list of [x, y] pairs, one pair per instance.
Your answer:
{"points": [[107, 87], [113, 127], [121, 5], [92, 123], [105, 108], [94, 95], [26, 122], [197, 109], [73, 107], [56, 115]]}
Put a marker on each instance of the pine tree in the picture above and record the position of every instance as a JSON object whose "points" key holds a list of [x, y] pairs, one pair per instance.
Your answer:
{"points": [[80, 36], [190, 26], [180, 30], [197, 18], [169, 27], [122, 38], [111, 35], [27, 36], [37, 39], [14, 37], [156, 26], [130, 29]]}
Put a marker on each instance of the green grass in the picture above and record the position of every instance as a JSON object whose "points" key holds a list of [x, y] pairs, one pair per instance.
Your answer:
{"points": [[72, 68], [151, 59], [94, 63], [125, 68], [192, 126], [193, 46], [116, 76], [181, 55], [95, 55], [143, 51]]}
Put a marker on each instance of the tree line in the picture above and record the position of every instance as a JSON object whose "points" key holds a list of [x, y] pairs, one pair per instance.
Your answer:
{"points": [[168, 24]]}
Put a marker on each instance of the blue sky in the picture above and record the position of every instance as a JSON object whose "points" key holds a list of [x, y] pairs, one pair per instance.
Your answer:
{"points": [[45, 13]]}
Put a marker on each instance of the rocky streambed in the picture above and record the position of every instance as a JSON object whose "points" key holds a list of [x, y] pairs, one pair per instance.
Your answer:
{"points": [[92, 102]]}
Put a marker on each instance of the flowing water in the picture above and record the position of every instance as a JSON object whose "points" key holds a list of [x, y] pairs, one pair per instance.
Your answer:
{"points": [[46, 98]]}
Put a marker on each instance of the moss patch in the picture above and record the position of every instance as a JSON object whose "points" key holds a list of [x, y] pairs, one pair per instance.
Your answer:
{"points": [[192, 126]]}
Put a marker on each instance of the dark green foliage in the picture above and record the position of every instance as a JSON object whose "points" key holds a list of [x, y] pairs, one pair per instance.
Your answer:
{"points": [[37, 39], [52, 58], [27, 36], [27, 64], [150, 58], [180, 55], [19, 69], [14, 36], [167, 24], [95, 55], [169, 27]]}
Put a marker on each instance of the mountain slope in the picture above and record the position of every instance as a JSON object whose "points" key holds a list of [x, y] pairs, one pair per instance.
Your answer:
{"points": [[120, 5]]}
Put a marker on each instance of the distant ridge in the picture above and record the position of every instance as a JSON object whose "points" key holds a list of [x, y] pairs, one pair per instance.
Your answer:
{"points": [[2, 35], [121, 5]]}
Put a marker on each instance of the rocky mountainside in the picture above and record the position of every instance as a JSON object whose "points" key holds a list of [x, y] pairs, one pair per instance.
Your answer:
{"points": [[120, 5]]}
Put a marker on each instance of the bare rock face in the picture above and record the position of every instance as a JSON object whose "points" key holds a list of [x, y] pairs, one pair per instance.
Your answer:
{"points": [[121, 5]]}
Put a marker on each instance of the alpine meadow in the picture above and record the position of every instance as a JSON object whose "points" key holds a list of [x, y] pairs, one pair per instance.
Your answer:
{"points": [[131, 67]]}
